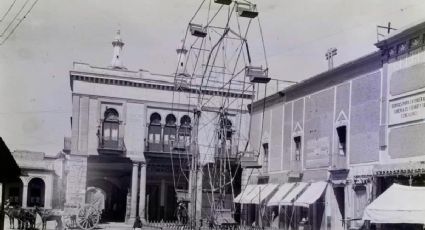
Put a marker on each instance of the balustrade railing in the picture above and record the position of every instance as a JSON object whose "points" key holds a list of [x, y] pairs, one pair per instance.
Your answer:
{"points": [[108, 146]]}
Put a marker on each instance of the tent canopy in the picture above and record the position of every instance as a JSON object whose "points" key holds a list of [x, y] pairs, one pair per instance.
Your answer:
{"points": [[311, 194], [398, 204]]}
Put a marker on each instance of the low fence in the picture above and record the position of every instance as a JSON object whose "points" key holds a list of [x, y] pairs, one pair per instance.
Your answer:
{"points": [[174, 225], [167, 225]]}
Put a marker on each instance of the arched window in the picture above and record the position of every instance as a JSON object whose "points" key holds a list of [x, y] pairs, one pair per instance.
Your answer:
{"points": [[14, 192], [110, 128], [170, 131], [154, 132], [155, 119], [170, 120], [36, 190], [185, 121], [184, 131]]}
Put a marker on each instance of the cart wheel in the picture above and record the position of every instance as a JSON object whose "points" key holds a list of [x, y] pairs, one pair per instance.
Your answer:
{"points": [[88, 217]]}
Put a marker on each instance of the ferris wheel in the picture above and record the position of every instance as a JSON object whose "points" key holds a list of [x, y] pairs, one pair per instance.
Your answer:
{"points": [[222, 55]]}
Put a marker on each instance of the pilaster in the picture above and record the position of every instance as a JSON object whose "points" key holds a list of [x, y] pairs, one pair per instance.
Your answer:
{"points": [[142, 192], [133, 207]]}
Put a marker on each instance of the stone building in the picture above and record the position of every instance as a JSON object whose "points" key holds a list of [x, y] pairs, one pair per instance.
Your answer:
{"points": [[131, 137], [40, 182], [331, 144]]}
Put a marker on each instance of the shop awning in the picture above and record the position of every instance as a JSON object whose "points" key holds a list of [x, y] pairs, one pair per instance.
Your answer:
{"points": [[253, 194], [280, 194], [244, 193], [311, 194], [264, 193], [398, 204], [292, 195]]}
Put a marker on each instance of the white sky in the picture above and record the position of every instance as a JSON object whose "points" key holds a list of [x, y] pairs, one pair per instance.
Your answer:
{"points": [[35, 96]]}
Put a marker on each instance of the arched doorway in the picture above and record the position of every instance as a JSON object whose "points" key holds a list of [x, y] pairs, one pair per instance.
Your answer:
{"points": [[115, 199], [13, 192], [36, 191]]}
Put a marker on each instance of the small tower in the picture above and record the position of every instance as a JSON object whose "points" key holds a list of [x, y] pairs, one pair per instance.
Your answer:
{"points": [[181, 58], [116, 59]]}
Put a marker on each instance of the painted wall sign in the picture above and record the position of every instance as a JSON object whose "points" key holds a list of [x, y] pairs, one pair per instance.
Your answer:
{"points": [[407, 109]]}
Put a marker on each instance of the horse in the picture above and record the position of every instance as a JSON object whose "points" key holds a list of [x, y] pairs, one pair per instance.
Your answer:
{"points": [[27, 218], [49, 215], [12, 213]]}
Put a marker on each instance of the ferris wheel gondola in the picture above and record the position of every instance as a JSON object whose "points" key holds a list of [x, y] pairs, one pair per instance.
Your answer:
{"points": [[224, 2], [197, 30], [247, 10]]}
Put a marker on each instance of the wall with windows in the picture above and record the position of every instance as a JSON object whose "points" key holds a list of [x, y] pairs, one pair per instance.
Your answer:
{"points": [[168, 130], [325, 122]]}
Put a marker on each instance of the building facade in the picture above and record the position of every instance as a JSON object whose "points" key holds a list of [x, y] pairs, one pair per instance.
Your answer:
{"points": [[346, 135], [40, 182], [132, 138]]}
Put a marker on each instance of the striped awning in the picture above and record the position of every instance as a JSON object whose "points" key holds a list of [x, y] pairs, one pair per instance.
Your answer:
{"points": [[280, 194], [311, 194], [245, 191], [293, 194], [264, 193], [253, 194]]}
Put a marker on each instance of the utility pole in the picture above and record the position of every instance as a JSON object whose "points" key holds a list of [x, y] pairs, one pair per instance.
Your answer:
{"points": [[329, 56], [194, 170], [387, 28]]}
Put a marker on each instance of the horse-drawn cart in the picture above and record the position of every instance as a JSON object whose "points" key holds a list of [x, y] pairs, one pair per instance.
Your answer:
{"points": [[81, 217]]}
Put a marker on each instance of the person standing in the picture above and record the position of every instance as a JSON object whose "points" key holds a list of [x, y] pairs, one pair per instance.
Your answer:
{"points": [[137, 224]]}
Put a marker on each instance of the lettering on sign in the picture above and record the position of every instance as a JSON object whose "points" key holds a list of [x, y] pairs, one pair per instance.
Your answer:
{"points": [[407, 109]]}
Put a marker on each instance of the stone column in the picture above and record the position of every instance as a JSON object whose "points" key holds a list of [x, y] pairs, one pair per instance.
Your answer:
{"points": [[133, 207], [48, 192], [142, 193], [162, 199], [24, 193]]}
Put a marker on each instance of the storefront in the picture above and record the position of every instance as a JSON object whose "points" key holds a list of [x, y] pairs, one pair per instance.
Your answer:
{"points": [[253, 200], [400, 189], [399, 207]]}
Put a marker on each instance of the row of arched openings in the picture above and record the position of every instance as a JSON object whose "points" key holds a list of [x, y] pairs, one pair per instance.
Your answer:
{"points": [[168, 136], [157, 134], [170, 120], [35, 193]]}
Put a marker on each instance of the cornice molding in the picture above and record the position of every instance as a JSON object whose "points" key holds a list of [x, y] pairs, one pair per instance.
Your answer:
{"points": [[159, 86]]}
